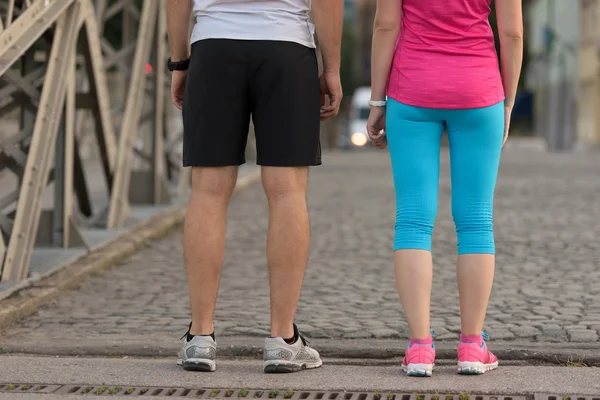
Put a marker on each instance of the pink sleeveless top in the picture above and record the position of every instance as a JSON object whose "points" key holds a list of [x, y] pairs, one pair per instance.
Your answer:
{"points": [[445, 56]]}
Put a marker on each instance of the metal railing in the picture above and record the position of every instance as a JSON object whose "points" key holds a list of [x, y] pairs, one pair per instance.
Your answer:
{"points": [[55, 63]]}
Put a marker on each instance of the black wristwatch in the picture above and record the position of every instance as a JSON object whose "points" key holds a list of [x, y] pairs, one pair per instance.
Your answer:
{"points": [[179, 65]]}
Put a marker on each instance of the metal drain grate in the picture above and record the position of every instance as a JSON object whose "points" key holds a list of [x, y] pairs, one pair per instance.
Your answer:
{"points": [[564, 397], [25, 388], [101, 390]]}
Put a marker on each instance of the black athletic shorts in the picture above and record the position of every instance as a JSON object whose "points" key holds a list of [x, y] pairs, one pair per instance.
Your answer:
{"points": [[275, 83]]}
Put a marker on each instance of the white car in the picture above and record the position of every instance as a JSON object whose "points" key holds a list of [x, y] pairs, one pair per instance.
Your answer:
{"points": [[359, 114]]}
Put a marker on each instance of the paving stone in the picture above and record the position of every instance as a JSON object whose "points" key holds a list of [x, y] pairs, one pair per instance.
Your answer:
{"points": [[575, 328], [358, 335], [500, 333], [569, 311], [567, 318], [320, 334], [447, 336], [524, 331], [552, 334], [589, 323], [350, 329], [384, 333], [579, 335], [224, 325], [547, 274]]}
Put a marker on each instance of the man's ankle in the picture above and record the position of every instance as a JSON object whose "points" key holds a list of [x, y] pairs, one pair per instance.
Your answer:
{"points": [[283, 333], [202, 329]]}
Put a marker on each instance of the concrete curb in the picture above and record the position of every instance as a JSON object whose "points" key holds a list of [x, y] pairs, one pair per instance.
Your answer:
{"points": [[30, 295], [349, 351]]}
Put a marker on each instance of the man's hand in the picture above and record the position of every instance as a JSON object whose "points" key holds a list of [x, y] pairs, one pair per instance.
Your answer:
{"points": [[328, 17], [178, 80], [331, 86]]}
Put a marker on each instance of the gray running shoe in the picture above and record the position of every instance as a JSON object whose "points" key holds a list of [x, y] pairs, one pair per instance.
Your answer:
{"points": [[198, 354], [280, 357]]}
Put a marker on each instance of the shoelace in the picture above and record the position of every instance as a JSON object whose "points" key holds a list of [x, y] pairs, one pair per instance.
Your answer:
{"points": [[188, 331], [304, 341]]}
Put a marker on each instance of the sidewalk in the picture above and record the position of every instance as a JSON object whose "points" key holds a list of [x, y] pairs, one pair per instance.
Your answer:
{"points": [[247, 374], [545, 304]]}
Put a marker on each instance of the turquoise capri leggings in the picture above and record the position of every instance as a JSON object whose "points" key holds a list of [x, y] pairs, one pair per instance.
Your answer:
{"points": [[475, 138]]}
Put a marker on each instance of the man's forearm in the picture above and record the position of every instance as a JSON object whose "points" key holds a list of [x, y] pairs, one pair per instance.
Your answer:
{"points": [[179, 13], [328, 16]]}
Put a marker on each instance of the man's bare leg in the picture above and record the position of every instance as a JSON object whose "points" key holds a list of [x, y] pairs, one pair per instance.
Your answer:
{"points": [[204, 241], [287, 242]]}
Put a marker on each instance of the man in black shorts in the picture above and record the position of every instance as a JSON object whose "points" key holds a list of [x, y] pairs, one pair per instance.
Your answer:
{"points": [[252, 59]]}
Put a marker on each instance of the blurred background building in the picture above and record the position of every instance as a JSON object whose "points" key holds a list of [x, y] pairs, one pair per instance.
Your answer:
{"points": [[588, 97], [558, 93]]}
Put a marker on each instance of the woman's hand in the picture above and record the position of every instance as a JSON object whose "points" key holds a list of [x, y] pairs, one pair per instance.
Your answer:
{"points": [[507, 114], [376, 127]]}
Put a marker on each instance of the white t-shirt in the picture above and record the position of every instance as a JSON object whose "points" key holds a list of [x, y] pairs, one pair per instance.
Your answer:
{"points": [[283, 20]]}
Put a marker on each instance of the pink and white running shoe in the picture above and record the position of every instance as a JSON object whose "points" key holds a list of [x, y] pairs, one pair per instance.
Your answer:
{"points": [[419, 360], [475, 359]]}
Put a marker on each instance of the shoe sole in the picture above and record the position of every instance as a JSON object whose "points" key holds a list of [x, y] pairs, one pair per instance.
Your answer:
{"points": [[199, 365], [419, 370], [286, 367], [475, 368]]}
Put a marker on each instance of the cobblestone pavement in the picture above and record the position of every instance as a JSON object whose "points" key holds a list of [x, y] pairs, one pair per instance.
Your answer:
{"points": [[547, 283]]}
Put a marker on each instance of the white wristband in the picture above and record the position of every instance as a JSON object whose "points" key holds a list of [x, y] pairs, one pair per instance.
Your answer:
{"points": [[377, 103]]}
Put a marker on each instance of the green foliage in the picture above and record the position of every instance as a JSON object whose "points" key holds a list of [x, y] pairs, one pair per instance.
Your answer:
{"points": [[114, 390], [100, 390]]}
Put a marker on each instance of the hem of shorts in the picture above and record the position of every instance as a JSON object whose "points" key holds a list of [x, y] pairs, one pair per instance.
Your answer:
{"points": [[311, 45], [445, 106], [289, 164], [214, 164]]}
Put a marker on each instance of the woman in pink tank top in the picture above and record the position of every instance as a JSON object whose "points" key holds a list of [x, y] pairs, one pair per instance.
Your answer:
{"points": [[435, 69]]}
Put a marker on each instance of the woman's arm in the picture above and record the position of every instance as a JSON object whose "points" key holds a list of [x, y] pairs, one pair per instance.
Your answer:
{"points": [[509, 14], [386, 29]]}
